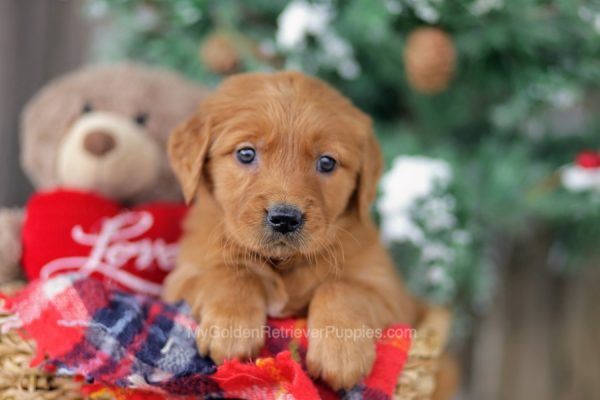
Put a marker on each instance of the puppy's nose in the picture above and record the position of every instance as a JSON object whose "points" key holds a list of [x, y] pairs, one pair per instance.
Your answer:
{"points": [[98, 143], [284, 218]]}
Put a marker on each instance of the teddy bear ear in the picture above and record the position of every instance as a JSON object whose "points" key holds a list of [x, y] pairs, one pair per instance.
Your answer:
{"points": [[43, 119], [188, 148]]}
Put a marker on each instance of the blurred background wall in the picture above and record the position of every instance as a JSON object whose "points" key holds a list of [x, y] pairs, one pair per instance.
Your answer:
{"points": [[538, 340], [38, 41]]}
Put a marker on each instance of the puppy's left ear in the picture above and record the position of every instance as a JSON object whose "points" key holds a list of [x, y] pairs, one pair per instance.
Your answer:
{"points": [[370, 171], [188, 148]]}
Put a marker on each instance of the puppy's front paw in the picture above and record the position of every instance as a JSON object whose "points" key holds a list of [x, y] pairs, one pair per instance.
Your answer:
{"points": [[340, 361], [225, 334]]}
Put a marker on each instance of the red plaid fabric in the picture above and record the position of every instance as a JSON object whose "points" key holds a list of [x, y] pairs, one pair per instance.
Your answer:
{"points": [[135, 346]]}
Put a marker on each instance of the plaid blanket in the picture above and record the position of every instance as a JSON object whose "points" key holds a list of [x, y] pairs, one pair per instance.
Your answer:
{"points": [[135, 346]]}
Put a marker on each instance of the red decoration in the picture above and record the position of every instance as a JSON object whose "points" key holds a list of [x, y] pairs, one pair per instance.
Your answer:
{"points": [[132, 249], [588, 159]]}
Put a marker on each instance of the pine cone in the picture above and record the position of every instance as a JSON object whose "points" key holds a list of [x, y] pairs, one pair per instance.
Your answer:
{"points": [[429, 58], [219, 54]]}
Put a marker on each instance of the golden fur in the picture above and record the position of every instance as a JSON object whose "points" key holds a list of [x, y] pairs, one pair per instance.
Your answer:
{"points": [[337, 272]]}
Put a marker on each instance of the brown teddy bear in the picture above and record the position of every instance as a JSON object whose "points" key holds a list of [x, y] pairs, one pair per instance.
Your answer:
{"points": [[100, 129]]}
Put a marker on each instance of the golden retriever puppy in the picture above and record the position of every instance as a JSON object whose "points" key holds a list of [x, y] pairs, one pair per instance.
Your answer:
{"points": [[284, 170]]}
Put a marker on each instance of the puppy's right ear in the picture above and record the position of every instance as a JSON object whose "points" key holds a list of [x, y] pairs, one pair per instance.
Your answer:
{"points": [[188, 148]]}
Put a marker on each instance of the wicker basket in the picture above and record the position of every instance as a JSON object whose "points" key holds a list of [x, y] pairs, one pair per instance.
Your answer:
{"points": [[419, 376], [18, 381]]}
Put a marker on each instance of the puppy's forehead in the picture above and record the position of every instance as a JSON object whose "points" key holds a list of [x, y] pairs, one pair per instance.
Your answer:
{"points": [[289, 104]]}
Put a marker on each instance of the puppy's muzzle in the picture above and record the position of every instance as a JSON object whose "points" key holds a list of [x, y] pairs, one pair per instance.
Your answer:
{"points": [[284, 218]]}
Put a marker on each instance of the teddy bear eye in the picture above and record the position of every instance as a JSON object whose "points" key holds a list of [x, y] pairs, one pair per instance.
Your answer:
{"points": [[326, 164], [87, 108], [141, 119]]}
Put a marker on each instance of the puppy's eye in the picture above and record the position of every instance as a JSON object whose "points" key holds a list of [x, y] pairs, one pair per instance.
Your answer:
{"points": [[246, 155], [87, 108], [141, 119], [326, 164]]}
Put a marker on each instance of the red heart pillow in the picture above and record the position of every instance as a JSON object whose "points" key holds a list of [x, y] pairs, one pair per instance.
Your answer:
{"points": [[134, 249]]}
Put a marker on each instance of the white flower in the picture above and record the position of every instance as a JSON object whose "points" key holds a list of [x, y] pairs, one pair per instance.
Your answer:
{"points": [[393, 6], [439, 276], [437, 252], [401, 227], [300, 19], [589, 16], [411, 179], [439, 213], [349, 69], [340, 53], [461, 237], [335, 46], [481, 7], [577, 179], [425, 9], [188, 13], [428, 14], [563, 98]]}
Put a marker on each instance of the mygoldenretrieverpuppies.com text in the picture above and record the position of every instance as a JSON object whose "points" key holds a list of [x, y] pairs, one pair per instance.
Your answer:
{"points": [[330, 331]]}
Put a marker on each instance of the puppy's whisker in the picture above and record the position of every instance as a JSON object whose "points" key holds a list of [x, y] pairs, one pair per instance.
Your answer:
{"points": [[333, 244], [229, 259], [246, 259], [330, 252], [339, 243], [347, 232], [312, 259], [341, 252], [250, 255], [311, 255], [254, 256]]}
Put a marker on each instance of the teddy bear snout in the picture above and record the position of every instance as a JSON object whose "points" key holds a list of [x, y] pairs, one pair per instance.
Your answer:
{"points": [[99, 143], [109, 153]]}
